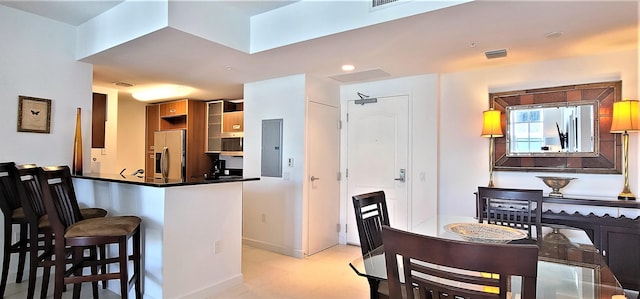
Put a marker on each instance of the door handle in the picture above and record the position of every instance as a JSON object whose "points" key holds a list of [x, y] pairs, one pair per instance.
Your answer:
{"points": [[402, 175], [313, 178], [164, 163]]}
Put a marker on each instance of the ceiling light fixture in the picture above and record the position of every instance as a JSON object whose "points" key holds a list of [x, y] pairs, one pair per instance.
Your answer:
{"points": [[554, 34], [122, 84], [162, 92], [348, 67]]}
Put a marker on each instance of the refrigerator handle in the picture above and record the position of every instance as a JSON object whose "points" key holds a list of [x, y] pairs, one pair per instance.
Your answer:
{"points": [[164, 162]]}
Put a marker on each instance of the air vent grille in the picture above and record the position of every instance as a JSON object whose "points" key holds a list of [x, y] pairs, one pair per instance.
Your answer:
{"points": [[376, 3], [496, 54]]}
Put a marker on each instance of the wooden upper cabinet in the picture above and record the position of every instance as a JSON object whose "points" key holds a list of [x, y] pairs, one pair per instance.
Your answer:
{"points": [[171, 109], [233, 122], [153, 125], [98, 120]]}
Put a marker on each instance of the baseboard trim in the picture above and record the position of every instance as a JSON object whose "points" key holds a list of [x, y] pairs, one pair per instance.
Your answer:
{"points": [[215, 288], [273, 248]]}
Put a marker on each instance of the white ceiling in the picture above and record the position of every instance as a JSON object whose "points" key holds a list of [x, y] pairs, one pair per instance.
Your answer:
{"points": [[445, 40]]}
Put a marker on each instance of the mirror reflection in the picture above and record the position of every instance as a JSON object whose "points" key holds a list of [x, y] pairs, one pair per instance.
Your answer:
{"points": [[568, 128]]}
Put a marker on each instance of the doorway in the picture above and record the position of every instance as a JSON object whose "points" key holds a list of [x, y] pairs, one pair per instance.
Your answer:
{"points": [[377, 157], [324, 185]]}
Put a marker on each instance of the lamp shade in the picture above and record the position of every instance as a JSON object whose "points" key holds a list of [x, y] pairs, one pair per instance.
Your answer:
{"points": [[625, 117], [491, 124]]}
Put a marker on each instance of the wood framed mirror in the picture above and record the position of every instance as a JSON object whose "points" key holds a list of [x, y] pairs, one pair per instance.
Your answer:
{"points": [[548, 152]]}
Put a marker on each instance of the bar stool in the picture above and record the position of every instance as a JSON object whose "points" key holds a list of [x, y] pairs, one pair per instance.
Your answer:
{"points": [[30, 195], [13, 214], [75, 234]]}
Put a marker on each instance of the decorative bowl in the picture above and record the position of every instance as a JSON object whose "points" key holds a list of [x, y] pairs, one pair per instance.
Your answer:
{"points": [[485, 233], [555, 183]]}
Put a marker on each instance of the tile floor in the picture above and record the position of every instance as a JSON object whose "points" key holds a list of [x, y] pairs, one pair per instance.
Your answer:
{"points": [[268, 275]]}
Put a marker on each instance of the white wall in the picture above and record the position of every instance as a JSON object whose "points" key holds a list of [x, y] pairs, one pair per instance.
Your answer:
{"points": [[464, 95], [131, 134], [124, 135], [423, 150], [37, 59], [278, 199]]}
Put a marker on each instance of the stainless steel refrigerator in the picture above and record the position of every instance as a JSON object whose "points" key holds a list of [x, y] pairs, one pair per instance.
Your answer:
{"points": [[169, 147]]}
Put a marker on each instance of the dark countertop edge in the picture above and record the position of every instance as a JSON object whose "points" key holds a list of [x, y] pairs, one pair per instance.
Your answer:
{"points": [[139, 182], [614, 202]]}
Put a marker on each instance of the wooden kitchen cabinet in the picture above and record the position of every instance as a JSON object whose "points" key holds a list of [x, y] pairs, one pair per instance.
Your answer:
{"points": [[175, 108], [214, 126], [233, 122], [152, 125], [188, 115]]}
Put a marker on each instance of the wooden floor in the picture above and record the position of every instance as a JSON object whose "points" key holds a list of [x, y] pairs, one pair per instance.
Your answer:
{"points": [[270, 275]]}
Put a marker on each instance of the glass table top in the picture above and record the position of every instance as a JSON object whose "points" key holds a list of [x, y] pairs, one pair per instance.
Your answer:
{"points": [[569, 265]]}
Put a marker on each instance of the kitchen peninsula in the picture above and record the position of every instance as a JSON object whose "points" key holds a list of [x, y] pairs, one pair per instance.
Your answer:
{"points": [[192, 229]]}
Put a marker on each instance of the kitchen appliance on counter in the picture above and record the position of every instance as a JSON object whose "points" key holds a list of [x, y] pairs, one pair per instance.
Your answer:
{"points": [[232, 143], [169, 150]]}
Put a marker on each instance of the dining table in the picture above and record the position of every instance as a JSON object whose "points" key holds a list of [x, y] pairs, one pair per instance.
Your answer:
{"points": [[569, 265]]}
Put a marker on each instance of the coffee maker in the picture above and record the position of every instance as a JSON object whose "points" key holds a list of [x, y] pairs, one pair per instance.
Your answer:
{"points": [[217, 168]]}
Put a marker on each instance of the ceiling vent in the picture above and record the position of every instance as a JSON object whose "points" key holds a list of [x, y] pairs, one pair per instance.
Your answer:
{"points": [[376, 3], [496, 54], [360, 76]]}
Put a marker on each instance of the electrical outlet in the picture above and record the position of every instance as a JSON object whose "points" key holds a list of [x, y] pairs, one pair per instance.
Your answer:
{"points": [[290, 162]]}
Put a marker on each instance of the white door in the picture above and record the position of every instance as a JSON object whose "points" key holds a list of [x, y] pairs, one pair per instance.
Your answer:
{"points": [[377, 149], [324, 187]]}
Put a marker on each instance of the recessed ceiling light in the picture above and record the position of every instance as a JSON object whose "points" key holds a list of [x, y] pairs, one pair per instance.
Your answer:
{"points": [[348, 67], [554, 34], [228, 68]]}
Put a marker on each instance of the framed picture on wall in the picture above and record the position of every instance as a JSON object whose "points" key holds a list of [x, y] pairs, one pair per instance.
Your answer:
{"points": [[34, 115]]}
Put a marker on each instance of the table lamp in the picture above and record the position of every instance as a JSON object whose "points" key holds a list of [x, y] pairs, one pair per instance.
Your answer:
{"points": [[625, 120], [491, 128]]}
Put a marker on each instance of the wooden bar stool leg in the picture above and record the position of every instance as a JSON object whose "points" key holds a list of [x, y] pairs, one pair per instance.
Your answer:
{"points": [[77, 257], [46, 265], [124, 274], [6, 255], [103, 255], [33, 266], [137, 272], [94, 270], [22, 250]]}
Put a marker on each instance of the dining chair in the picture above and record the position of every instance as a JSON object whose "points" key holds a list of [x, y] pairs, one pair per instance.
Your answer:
{"points": [[517, 208], [13, 215], [40, 232], [371, 215], [443, 268], [74, 234]]}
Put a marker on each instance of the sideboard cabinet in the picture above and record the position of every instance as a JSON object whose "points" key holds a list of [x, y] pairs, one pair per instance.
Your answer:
{"points": [[616, 237]]}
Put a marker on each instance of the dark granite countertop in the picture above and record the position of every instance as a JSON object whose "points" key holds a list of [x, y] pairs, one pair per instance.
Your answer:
{"points": [[152, 182]]}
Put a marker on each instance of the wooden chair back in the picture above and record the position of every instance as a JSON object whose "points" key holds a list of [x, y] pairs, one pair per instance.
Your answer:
{"points": [[371, 215], [517, 208], [60, 199], [13, 214], [30, 192], [9, 200], [441, 268]]}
